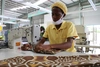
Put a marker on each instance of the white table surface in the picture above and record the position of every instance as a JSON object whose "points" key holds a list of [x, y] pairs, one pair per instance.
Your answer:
{"points": [[8, 53]]}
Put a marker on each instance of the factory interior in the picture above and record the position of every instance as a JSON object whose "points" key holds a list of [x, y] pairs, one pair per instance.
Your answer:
{"points": [[29, 38]]}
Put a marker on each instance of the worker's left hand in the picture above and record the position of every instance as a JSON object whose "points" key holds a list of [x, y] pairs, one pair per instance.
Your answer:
{"points": [[26, 47]]}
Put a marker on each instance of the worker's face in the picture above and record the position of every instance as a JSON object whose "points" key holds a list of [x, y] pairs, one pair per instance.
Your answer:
{"points": [[56, 14]]}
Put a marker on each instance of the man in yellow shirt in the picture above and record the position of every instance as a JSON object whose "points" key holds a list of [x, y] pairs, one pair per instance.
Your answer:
{"points": [[61, 34]]}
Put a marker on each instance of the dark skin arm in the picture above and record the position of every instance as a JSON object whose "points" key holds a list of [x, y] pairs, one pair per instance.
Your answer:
{"points": [[40, 43], [64, 45]]}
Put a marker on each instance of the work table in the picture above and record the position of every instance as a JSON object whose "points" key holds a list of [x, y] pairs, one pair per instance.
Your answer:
{"points": [[12, 58], [8, 53]]}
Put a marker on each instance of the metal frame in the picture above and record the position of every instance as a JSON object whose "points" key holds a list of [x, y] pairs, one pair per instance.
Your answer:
{"points": [[11, 4]]}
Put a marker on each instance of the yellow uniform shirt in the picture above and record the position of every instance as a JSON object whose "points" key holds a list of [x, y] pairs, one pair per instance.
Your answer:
{"points": [[55, 36]]}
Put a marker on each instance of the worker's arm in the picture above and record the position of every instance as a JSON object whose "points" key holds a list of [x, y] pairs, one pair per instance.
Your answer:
{"points": [[41, 42], [64, 45]]}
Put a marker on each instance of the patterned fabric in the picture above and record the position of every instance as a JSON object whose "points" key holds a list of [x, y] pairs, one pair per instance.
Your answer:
{"points": [[52, 61]]}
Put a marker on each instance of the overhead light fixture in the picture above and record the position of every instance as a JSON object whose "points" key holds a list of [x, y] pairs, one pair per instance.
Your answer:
{"points": [[24, 7], [92, 4], [24, 20], [18, 8], [37, 7], [40, 2]]}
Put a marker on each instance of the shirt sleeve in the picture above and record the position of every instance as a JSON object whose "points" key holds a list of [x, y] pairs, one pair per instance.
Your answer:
{"points": [[72, 31], [45, 35]]}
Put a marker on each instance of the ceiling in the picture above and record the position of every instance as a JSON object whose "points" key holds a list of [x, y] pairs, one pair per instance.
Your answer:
{"points": [[9, 4]]}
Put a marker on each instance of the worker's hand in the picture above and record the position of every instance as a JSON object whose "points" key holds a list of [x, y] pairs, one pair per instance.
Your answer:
{"points": [[46, 47], [26, 47], [39, 48]]}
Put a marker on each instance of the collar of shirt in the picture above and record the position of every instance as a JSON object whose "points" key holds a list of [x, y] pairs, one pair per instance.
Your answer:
{"points": [[62, 26]]}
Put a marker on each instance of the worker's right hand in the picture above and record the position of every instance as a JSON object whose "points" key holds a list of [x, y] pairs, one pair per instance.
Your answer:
{"points": [[38, 48]]}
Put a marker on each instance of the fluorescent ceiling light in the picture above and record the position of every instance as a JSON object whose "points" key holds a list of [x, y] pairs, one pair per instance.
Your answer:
{"points": [[24, 7], [18, 8], [92, 4], [40, 2], [37, 7]]}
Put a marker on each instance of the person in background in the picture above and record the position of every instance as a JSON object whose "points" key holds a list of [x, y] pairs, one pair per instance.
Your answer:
{"points": [[42, 30], [6, 38], [61, 34]]}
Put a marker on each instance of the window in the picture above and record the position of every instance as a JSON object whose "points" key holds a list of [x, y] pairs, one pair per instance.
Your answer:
{"points": [[94, 34]]}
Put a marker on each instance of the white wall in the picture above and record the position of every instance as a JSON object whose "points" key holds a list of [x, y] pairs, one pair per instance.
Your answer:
{"points": [[47, 19], [73, 17], [92, 18], [38, 19], [89, 18]]}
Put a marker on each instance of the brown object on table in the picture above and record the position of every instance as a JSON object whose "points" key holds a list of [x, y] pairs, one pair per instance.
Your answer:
{"points": [[29, 47], [26, 47], [52, 51], [52, 61]]}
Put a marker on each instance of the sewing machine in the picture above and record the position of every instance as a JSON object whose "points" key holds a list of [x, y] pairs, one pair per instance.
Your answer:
{"points": [[81, 33], [82, 40], [32, 33]]}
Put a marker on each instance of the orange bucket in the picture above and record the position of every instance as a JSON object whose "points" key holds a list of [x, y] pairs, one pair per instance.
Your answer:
{"points": [[17, 43]]}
